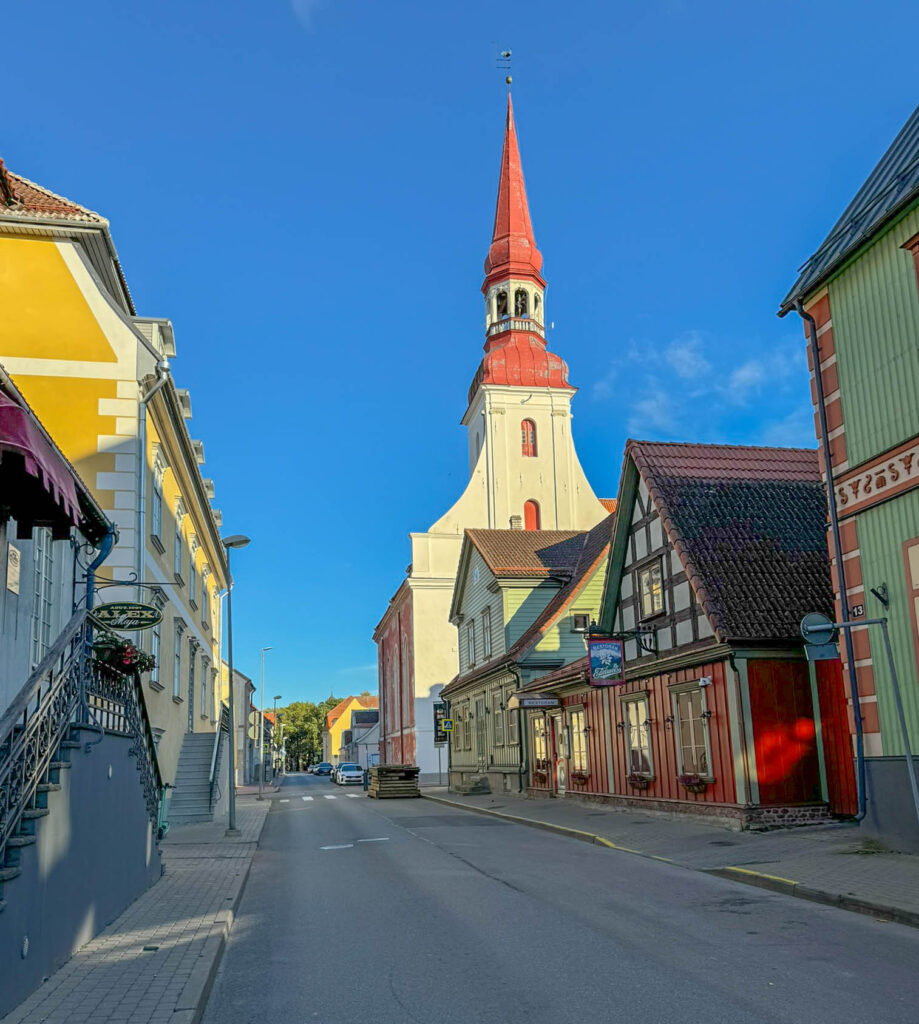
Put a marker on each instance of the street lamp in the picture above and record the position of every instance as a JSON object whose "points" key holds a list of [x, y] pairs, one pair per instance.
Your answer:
{"points": [[261, 725], [275, 729], [236, 541]]}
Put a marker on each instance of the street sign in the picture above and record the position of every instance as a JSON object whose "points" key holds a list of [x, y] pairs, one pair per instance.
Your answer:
{"points": [[447, 725], [531, 700], [816, 628], [821, 652], [127, 615], [606, 662], [440, 716]]}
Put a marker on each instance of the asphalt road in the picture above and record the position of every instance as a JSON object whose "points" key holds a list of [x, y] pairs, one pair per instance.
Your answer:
{"points": [[360, 911]]}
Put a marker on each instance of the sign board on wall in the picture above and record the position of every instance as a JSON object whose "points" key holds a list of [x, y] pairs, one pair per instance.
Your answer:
{"points": [[440, 715], [13, 565], [607, 662]]}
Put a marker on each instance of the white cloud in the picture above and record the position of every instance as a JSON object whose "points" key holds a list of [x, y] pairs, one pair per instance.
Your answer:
{"points": [[796, 430], [603, 388], [304, 10], [684, 354], [746, 379], [355, 669], [654, 412]]}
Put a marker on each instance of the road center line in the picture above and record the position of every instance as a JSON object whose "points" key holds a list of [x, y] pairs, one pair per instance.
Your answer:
{"points": [[287, 801], [328, 796], [306, 798], [381, 839], [340, 846]]}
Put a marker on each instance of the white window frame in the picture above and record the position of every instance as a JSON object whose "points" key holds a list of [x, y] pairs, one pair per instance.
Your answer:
{"points": [[177, 665], [486, 633], [192, 652], [177, 553], [156, 644], [583, 627], [634, 707], [470, 644], [43, 592], [675, 693], [656, 563], [192, 583], [577, 742], [540, 743], [497, 718], [510, 721], [156, 510]]}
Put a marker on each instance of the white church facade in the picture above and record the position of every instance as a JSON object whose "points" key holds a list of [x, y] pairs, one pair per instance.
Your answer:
{"points": [[524, 474]]}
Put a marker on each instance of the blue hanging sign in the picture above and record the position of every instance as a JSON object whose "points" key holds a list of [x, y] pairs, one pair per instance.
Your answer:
{"points": [[607, 662]]}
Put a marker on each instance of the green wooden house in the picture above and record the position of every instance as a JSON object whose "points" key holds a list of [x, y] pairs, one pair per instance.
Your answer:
{"points": [[859, 296]]}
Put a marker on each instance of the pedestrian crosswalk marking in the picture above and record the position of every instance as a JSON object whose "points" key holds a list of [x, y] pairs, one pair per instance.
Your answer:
{"points": [[328, 796], [306, 798], [339, 846], [354, 796], [287, 801]]}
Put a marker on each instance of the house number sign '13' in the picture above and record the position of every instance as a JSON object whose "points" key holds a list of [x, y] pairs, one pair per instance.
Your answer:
{"points": [[126, 615]]}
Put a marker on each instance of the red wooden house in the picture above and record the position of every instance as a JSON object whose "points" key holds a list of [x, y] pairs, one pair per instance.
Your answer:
{"points": [[718, 553]]}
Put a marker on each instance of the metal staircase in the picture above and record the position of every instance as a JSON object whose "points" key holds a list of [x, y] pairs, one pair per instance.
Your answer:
{"points": [[69, 695]]}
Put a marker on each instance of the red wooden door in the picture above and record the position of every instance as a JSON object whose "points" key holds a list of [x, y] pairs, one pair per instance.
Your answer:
{"points": [[784, 735], [837, 743]]}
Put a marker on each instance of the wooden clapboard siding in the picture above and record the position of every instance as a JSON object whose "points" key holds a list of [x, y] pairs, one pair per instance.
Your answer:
{"points": [[592, 700], [665, 785], [837, 743], [478, 594], [784, 733]]}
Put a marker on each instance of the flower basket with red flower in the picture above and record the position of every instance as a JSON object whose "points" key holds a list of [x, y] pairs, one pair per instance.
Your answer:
{"points": [[122, 655]]}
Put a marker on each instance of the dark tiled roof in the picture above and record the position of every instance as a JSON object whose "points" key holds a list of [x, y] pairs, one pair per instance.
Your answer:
{"points": [[749, 525], [23, 198], [528, 552], [892, 184], [337, 711], [364, 718]]}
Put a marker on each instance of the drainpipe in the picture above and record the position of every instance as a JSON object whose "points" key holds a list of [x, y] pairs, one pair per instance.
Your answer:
{"points": [[521, 734], [162, 374], [105, 549], [840, 567]]}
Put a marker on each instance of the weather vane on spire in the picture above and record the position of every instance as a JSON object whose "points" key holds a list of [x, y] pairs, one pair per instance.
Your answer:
{"points": [[504, 64]]}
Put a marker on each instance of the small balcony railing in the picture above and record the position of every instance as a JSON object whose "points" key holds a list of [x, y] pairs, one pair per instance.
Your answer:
{"points": [[517, 323]]}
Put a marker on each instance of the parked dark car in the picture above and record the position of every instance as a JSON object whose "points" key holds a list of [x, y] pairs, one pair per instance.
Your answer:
{"points": [[323, 768]]}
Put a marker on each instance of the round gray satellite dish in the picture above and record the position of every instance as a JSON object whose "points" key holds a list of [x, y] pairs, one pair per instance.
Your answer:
{"points": [[816, 628]]}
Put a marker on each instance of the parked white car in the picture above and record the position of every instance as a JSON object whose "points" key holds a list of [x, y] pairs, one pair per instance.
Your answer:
{"points": [[349, 774]]}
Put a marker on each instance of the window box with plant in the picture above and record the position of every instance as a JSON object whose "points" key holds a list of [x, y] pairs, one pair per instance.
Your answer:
{"points": [[638, 780], [693, 783]]}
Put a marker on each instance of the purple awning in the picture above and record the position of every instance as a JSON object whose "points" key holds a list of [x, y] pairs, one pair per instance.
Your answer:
{"points": [[20, 433]]}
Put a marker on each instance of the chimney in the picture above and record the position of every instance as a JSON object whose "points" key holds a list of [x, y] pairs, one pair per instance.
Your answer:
{"points": [[516, 522]]}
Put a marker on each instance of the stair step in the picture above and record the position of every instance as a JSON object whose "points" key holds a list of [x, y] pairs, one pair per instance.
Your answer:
{"points": [[6, 874], [15, 841], [35, 812], [47, 787]]}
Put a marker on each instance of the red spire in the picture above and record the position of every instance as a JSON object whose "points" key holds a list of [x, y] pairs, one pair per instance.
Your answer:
{"points": [[513, 251]]}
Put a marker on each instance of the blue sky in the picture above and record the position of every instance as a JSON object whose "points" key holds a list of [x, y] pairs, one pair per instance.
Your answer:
{"points": [[306, 188]]}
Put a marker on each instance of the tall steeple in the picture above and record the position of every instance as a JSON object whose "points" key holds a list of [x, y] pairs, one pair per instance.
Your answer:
{"points": [[513, 249], [514, 289]]}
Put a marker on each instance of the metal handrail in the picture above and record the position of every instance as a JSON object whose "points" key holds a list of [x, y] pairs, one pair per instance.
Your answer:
{"points": [[223, 725]]}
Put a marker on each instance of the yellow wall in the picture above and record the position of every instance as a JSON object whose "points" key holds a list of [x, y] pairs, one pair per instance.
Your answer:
{"points": [[340, 724]]}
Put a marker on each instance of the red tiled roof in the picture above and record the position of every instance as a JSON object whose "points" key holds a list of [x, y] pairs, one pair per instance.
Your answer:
{"points": [[528, 552], [749, 526], [593, 549], [20, 197], [609, 504]]}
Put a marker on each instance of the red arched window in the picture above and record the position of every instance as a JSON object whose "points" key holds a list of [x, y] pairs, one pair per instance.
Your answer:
{"points": [[528, 438], [531, 515]]}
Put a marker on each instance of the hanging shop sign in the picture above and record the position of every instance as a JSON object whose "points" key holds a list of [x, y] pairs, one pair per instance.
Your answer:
{"points": [[127, 615], [607, 662]]}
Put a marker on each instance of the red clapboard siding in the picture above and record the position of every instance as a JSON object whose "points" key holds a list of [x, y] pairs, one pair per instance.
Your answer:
{"points": [[592, 702], [837, 743], [784, 734], [665, 785]]}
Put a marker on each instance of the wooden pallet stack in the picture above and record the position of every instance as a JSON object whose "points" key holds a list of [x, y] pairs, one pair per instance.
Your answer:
{"points": [[389, 781]]}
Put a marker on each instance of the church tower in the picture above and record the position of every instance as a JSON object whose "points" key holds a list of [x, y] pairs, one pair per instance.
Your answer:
{"points": [[523, 466], [524, 474]]}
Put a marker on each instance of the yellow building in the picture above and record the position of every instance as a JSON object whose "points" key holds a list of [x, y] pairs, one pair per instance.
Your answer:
{"points": [[98, 375], [338, 720]]}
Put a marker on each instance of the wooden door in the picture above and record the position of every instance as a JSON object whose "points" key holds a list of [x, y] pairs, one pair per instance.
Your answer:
{"points": [[838, 754]]}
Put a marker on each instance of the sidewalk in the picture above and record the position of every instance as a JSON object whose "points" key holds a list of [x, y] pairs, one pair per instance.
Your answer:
{"points": [[157, 961], [824, 863]]}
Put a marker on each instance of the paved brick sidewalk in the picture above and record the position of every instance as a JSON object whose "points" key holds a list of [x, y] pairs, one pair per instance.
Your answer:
{"points": [[156, 962], [826, 863]]}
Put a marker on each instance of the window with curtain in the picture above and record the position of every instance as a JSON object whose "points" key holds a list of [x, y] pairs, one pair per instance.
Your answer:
{"points": [[510, 723], [43, 593], [540, 750], [577, 723], [528, 439], [692, 734], [651, 589], [638, 735]]}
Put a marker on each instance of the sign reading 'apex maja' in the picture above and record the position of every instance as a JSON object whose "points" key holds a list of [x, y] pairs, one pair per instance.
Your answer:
{"points": [[127, 615]]}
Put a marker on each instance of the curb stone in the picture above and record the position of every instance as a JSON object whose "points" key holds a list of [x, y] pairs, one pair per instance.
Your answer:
{"points": [[774, 883]]}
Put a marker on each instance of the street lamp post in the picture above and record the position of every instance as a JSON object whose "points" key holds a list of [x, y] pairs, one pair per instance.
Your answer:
{"points": [[236, 541], [261, 725]]}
